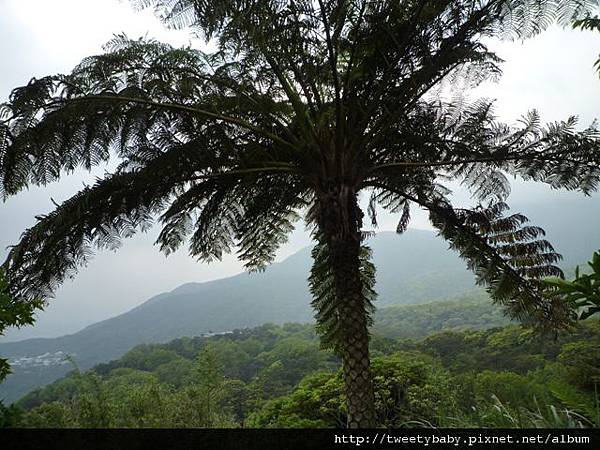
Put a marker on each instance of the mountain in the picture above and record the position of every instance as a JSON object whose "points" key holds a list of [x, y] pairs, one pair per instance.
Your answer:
{"points": [[472, 310], [244, 353], [413, 268]]}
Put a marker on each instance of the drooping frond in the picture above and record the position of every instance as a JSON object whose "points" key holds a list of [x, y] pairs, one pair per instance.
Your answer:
{"points": [[96, 217], [562, 157], [133, 102], [556, 154], [255, 214], [360, 64], [197, 138], [121, 204], [526, 18], [508, 256], [302, 102]]}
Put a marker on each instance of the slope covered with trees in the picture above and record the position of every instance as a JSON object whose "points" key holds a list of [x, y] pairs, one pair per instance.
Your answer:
{"points": [[302, 107], [276, 376], [278, 295], [471, 310]]}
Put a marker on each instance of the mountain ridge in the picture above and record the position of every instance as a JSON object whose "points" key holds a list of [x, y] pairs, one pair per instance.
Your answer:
{"points": [[412, 268]]}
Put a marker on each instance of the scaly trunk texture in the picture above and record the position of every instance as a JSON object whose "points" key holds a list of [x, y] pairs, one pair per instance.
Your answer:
{"points": [[340, 221]]}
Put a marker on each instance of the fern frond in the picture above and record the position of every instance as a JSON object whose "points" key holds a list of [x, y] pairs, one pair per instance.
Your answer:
{"points": [[325, 302]]}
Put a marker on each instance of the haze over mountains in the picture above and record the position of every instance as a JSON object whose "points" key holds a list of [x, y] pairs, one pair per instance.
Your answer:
{"points": [[413, 268], [114, 283]]}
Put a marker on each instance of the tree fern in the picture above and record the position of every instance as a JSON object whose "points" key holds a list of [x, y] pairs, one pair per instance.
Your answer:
{"points": [[303, 106]]}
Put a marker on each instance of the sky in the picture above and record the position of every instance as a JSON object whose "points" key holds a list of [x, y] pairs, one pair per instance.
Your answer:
{"points": [[552, 73]]}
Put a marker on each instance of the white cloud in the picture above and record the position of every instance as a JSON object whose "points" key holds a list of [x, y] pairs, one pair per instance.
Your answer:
{"points": [[552, 73], [40, 37]]}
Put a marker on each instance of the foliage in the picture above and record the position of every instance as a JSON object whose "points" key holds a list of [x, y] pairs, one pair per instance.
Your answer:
{"points": [[326, 303], [470, 310], [303, 106], [316, 403], [582, 360], [514, 389], [14, 312], [10, 416], [582, 294], [216, 382], [407, 386], [587, 406], [499, 415], [275, 376], [589, 23], [209, 387], [303, 100]]}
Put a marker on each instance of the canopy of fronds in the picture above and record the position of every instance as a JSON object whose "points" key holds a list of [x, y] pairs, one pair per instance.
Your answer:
{"points": [[227, 149]]}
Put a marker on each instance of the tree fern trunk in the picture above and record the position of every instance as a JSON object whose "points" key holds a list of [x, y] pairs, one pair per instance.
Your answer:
{"points": [[354, 344], [340, 221]]}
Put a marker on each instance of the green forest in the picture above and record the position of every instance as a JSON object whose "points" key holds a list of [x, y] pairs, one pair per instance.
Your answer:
{"points": [[437, 373]]}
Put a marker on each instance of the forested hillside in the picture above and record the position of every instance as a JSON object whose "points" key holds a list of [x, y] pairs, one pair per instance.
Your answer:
{"points": [[348, 117], [470, 310], [413, 268], [276, 376]]}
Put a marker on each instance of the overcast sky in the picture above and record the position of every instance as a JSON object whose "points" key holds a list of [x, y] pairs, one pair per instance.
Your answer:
{"points": [[552, 73]]}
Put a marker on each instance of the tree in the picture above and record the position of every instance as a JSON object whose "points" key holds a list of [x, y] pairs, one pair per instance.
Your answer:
{"points": [[582, 295], [201, 404], [410, 388], [582, 360], [211, 385], [303, 106]]}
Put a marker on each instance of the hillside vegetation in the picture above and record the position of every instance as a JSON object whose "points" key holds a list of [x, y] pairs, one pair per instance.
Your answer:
{"points": [[278, 295], [276, 376], [413, 268], [470, 310]]}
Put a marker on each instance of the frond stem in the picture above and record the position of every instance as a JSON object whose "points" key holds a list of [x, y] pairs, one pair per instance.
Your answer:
{"points": [[190, 109]]}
